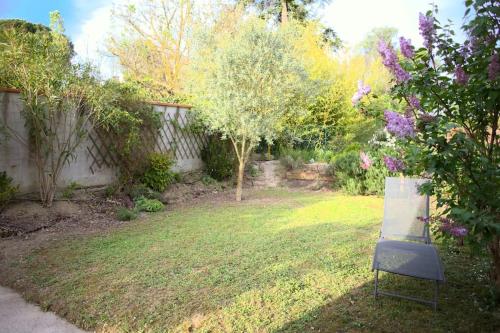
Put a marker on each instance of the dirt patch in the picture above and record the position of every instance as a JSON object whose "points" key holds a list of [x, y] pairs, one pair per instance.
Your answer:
{"points": [[26, 217], [183, 192], [26, 225]]}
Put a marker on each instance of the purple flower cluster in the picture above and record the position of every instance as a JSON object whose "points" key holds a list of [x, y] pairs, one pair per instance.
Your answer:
{"points": [[390, 60], [459, 231], [399, 125], [393, 164], [494, 67], [450, 227], [461, 77], [366, 162], [362, 91], [406, 47], [427, 31], [414, 102], [424, 219]]}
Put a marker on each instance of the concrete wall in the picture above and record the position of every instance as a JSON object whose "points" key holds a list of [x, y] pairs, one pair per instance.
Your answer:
{"points": [[15, 156]]}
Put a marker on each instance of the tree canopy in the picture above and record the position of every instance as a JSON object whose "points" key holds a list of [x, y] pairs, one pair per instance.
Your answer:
{"points": [[245, 82]]}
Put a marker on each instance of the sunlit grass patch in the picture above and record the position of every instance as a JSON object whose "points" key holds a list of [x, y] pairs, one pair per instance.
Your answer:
{"points": [[278, 261]]}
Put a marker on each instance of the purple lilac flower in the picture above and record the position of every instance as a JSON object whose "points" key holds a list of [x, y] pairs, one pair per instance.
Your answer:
{"points": [[366, 162], [399, 125], [465, 50], [414, 102], [406, 47], [393, 164], [474, 44], [362, 91], [457, 231], [493, 67], [424, 219], [426, 27], [390, 60], [461, 77], [356, 98]]}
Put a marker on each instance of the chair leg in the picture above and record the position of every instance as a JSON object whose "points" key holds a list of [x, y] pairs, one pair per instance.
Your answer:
{"points": [[376, 283], [436, 295]]}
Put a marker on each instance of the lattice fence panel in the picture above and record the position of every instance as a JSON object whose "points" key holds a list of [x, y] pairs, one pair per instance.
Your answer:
{"points": [[175, 136]]}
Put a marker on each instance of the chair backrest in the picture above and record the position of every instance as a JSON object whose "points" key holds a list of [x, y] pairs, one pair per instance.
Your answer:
{"points": [[403, 205]]}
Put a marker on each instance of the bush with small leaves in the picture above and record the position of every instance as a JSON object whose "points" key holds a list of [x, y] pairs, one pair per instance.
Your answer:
{"points": [[219, 158], [207, 180], [158, 175], [140, 190], [143, 204], [69, 191]]}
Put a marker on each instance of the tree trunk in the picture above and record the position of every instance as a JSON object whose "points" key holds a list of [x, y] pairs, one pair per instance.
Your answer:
{"points": [[495, 254], [239, 185], [284, 12]]}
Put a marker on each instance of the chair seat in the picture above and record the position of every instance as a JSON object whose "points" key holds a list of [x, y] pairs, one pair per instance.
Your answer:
{"points": [[408, 258]]}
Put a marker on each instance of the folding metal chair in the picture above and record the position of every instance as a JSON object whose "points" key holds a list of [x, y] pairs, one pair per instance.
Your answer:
{"points": [[404, 246]]}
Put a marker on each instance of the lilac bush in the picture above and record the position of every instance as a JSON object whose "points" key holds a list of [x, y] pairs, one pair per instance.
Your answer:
{"points": [[451, 135]]}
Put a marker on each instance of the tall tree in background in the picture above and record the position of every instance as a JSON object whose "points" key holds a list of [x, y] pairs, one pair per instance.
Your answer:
{"points": [[154, 46], [281, 10], [301, 10], [369, 44]]}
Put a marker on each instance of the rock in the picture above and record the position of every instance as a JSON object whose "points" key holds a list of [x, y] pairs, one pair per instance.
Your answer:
{"points": [[270, 174], [313, 176]]}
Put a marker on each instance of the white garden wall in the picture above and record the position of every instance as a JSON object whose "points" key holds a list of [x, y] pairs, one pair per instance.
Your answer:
{"points": [[86, 169]]}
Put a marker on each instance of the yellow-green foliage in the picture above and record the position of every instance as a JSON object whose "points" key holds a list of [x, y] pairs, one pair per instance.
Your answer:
{"points": [[331, 116]]}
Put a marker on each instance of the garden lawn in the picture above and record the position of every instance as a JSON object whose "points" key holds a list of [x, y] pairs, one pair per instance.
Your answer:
{"points": [[280, 261]]}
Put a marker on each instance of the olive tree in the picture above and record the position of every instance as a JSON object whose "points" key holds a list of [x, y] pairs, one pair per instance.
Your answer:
{"points": [[245, 81]]}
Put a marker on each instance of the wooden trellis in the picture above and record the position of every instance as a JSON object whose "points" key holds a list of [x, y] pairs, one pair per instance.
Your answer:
{"points": [[174, 136]]}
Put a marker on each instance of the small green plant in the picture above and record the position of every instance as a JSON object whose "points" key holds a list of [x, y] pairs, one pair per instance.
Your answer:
{"points": [[125, 214], [7, 190], [143, 204], [158, 175], [111, 190], [207, 180], [140, 190], [69, 191]]}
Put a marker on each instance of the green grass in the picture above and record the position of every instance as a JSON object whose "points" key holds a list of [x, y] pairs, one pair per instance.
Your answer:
{"points": [[277, 262]]}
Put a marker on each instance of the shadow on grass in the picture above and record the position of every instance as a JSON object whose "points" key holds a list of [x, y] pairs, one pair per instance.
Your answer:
{"points": [[463, 306], [359, 310]]}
